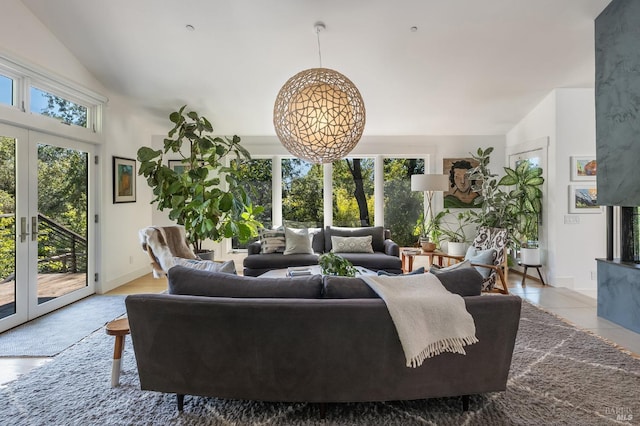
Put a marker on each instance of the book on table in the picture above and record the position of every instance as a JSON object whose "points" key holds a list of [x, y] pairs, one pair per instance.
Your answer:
{"points": [[298, 271]]}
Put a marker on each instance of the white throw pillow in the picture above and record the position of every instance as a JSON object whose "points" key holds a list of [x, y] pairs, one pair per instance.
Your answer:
{"points": [[297, 241], [351, 244], [227, 267]]}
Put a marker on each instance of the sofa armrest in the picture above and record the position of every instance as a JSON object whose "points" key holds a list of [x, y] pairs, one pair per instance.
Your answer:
{"points": [[391, 248], [254, 248]]}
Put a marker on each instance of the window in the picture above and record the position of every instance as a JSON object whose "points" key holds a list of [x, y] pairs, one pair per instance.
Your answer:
{"points": [[302, 193], [257, 175], [50, 105], [402, 207], [353, 197], [6, 90]]}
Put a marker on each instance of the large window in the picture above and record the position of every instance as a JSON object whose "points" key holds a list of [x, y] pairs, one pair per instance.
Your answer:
{"points": [[353, 197], [402, 207], [50, 105], [6, 90], [257, 175], [302, 193]]}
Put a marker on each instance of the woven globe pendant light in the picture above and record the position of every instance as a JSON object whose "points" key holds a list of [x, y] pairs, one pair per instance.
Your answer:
{"points": [[319, 115]]}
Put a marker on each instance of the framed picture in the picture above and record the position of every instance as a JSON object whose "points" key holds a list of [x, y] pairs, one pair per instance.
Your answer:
{"points": [[583, 168], [459, 194], [179, 167], [583, 199], [124, 180]]}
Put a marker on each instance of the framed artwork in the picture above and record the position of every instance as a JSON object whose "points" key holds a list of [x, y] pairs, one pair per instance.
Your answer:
{"points": [[459, 194], [179, 167], [583, 199], [583, 168], [124, 180]]}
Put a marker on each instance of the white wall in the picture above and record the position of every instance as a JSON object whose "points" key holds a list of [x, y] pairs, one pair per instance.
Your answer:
{"points": [[24, 37], [567, 118]]}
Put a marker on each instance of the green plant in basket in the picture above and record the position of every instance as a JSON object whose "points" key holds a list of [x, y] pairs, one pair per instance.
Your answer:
{"points": [[333, 264]]}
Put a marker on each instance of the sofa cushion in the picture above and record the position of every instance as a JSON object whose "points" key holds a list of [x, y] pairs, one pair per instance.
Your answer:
{"points": [[374, 261], [196, 282], [272, 240], [351, 244], [464, 282], [297, 241], [376, 232], [279, 261]]}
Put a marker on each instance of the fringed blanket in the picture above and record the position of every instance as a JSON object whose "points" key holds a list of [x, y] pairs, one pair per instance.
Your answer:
{"points": [[429, 319], [165, 242]]}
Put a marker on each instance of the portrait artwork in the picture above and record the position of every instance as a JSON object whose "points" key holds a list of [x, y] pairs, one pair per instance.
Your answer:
{"points": [[460, 193]]}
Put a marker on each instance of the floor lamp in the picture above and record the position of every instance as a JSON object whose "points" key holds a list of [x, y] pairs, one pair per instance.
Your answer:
{"points": [[429, 184]]}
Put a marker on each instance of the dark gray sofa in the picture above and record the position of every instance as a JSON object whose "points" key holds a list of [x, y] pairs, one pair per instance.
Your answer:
{"points": [[385, 256], [308, 339]]}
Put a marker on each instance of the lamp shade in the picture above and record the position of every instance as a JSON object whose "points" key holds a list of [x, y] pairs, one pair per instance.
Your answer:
{"points": [[429, 182], [319, 115]]}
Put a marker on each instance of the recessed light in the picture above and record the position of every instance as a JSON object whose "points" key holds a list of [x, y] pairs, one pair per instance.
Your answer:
{"points": [[190, 27], [414, 29]]}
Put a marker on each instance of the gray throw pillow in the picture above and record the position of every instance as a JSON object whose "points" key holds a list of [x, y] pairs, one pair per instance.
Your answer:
{"points": [[297, 241], [435, 269], [481, 257], [228, 267]]}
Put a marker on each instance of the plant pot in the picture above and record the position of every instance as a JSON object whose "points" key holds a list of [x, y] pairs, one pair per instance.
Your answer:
{"points": [[427, 246], [456, 249], [530, 256]]}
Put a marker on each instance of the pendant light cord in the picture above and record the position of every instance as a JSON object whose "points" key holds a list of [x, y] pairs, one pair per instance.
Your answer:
{"points": [[319, 51]]}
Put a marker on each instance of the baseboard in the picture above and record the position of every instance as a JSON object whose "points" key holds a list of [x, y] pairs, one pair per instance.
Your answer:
{"points": [[110, 285]]}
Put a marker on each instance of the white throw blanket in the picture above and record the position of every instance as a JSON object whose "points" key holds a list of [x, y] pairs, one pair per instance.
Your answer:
{"points": [[429, 319]]}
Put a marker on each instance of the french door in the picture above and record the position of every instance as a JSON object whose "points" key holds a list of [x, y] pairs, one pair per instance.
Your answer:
{"points": [[46, 235]]}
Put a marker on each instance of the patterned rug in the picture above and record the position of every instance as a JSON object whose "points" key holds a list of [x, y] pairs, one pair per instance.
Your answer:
{"points": [[559, 376]]}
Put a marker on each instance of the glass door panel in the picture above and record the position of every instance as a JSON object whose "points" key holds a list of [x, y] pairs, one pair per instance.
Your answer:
{"points": [[61, 221], [7, 226]]}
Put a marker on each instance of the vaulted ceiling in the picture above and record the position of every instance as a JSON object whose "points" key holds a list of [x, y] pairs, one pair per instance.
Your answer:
{"points": [[470, 67]]}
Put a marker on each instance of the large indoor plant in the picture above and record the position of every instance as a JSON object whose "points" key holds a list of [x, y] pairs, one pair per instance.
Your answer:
{"points": [[193, 193], [513, 202]]}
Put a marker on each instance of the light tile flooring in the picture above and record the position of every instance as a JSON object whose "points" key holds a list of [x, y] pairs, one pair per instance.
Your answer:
{"points": [[574, 307]]}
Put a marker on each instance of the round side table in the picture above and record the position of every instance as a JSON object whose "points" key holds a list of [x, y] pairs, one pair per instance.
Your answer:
{"points": [[524, 276], [118, 328]]}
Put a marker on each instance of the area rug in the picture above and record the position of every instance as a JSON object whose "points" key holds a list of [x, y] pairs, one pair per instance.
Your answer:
{"points": [[559, 376], [52, 333]]}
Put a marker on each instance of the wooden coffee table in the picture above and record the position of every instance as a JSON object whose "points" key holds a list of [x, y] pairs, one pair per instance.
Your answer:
{"points": [[407, 256]]}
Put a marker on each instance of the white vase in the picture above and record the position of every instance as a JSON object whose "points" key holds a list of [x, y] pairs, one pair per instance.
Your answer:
{"points": [[456, 249], [530, 256]]}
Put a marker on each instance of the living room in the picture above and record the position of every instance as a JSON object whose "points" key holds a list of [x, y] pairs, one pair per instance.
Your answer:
{"points": [[556, 115]]}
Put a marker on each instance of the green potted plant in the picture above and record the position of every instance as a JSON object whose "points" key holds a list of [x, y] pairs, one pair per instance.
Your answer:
{"points": [[526, 207], [457, 240], [194, 194], [429, 232], [333, 264]]}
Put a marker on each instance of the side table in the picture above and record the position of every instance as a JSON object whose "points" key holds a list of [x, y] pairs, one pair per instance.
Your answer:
{"points": [[118, 328], [524, 276], [407, 256]]}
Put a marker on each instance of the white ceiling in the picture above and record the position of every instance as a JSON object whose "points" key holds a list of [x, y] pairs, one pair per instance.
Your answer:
{"points": [[473, 67]]}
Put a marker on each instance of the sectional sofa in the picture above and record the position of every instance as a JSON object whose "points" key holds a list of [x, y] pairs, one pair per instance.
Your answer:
{"points": [[314, 339], [385, 255]]}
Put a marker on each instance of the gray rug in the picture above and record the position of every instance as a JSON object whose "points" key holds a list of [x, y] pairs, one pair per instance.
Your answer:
{"points": [[52, 333], [559, 376]]}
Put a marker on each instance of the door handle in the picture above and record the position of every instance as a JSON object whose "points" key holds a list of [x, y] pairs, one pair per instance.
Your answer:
{"points": [[34, 228], [23, 229]]}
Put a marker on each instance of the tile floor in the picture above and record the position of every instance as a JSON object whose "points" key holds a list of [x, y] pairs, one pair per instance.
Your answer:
{"points": [[576, 308]]}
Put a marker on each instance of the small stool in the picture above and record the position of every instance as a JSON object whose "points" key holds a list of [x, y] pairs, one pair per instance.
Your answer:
{"points": [[118, 328], [524, 276]]}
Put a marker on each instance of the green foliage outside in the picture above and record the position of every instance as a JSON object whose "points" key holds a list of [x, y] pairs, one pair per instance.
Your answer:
{"points": [[402, 207], [302, 192], [353, 198]]}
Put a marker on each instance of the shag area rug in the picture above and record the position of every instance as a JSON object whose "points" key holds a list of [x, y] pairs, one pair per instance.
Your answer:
{"points": [[52, 333], [559, 376]]}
